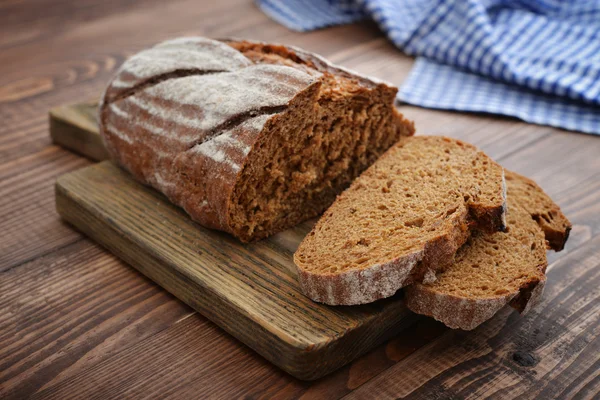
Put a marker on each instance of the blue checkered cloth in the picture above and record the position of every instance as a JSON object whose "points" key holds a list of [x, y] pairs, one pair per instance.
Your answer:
{"points": [[537, 60]]}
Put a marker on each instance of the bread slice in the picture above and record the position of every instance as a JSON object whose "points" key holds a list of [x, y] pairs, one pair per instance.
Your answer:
{"points": [[248, 137], [493, 270], [542, 209], [401, 221]]}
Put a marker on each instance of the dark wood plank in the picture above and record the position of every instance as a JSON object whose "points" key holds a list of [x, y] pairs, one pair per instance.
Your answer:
{"points": [[251, 291], [211, 364], [559, 161], [553, 352], [71, 309], [29, 224], [26, 21], [187, 361], [24, 128]]}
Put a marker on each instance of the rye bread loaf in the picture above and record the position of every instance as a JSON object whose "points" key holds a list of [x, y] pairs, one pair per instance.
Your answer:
{"points": [[401, 221], [249, 138], [493, 270]]}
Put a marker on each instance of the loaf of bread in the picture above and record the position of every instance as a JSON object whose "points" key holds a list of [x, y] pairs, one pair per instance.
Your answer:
{"points": [[493, 270], [247, 137], [401, 221]]}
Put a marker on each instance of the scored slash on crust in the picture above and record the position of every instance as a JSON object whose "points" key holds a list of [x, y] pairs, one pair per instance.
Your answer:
{"points": [[155, 80]]}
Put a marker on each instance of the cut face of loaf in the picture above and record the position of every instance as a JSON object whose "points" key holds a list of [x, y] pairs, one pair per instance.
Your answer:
{"points": [[493, 270], [249, 138], [401, 221]]}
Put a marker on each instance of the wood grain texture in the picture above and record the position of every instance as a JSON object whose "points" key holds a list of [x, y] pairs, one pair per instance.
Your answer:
{"points": [[71, 309], [27, 219], [553, 352], [210, 365], [66, 53], [251, 291]]}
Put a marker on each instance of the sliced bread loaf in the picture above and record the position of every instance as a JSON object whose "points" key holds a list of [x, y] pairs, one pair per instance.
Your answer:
{"points": [[401, 221], [250, 138], [493, 270]]}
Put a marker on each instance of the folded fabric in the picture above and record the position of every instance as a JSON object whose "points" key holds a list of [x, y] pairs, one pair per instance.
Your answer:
{"points": [[535, 60]]}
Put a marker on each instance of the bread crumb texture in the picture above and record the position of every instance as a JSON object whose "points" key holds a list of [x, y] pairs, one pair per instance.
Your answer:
{"points": [[401, 220]]}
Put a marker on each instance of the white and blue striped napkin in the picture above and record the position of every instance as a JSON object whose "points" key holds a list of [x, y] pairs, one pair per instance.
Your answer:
{"points": [[537, 60]]}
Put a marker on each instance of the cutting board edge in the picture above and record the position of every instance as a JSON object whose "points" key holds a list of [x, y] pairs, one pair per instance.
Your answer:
{"points": [[66, 133]]}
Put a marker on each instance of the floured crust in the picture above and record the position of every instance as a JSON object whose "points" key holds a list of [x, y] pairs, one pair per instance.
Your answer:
{"points": [[186, 115], [455, 312], [468, 312], [176, 140], [465, 313], [360, 286]]}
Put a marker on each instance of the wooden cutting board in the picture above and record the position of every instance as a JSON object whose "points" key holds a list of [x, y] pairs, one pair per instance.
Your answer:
{"points": [[249, 290]]}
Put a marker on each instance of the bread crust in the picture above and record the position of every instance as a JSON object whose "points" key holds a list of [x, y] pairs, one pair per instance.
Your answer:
{"points": [[455, 312], [359, 286], [466, 313], [194, 145]]}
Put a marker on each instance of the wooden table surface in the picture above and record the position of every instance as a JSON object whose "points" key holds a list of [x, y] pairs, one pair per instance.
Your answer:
{"points": [[75, 321]]}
